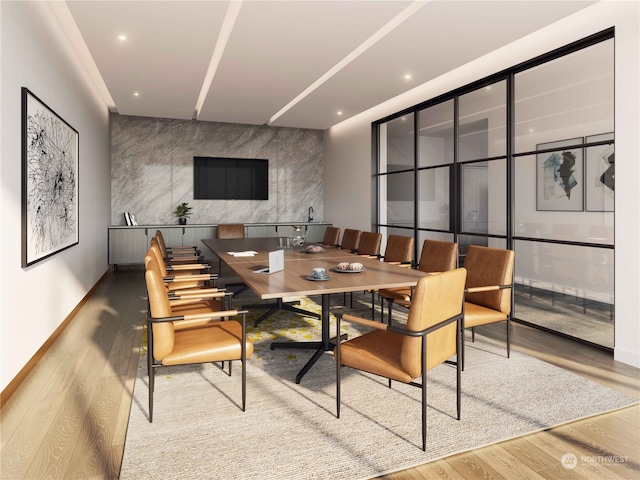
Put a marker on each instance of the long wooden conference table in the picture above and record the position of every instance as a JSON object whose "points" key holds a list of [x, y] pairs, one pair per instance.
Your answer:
{"points": [[293, 280]]}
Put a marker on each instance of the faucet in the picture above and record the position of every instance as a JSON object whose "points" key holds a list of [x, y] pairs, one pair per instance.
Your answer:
{"points": [[310, 215]]}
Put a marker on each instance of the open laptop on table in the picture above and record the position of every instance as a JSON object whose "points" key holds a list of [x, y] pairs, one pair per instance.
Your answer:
{"points": [[276, 263]]}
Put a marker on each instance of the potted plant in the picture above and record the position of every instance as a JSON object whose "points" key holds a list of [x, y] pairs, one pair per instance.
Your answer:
{"points": [[182, 212]]}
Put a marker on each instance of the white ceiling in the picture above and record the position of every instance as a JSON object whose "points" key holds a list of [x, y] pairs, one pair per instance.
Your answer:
{"points": [[344, 55]]}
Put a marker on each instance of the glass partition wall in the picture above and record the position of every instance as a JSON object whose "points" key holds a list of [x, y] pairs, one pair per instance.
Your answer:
{"points": [[521, 160]]}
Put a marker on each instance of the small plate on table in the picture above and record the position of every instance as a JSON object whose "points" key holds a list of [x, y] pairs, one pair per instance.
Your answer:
{"points": [[314, 279], [339, 270], [313, 249]]}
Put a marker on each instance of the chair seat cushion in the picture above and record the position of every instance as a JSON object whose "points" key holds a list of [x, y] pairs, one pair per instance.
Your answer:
{"points": [[475, 315], [375, 352], [215, 342]]}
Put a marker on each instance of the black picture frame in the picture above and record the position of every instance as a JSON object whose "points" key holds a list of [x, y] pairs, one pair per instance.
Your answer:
{"points": [[599, 174], [560, 176], [50, 177]]}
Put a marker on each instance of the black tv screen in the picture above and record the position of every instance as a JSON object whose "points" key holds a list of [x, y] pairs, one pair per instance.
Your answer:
{"points": [[216, 178]]}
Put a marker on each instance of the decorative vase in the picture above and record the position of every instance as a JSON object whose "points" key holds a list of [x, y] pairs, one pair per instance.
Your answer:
{"points": [[182, 221]]}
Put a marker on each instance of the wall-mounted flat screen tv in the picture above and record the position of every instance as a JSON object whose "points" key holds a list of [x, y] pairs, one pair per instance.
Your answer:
{"points": [[216, 178]]}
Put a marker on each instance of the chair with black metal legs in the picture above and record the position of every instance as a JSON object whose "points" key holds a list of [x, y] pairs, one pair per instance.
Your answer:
{"points": [[398, 251], [191, 337], [350, 239], [488, 288], [436, 256], [432, 335], [331, 237], [231, 230]]}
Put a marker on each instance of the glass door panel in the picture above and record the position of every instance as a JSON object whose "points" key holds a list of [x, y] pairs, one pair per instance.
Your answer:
{"points": [[433, 198]]}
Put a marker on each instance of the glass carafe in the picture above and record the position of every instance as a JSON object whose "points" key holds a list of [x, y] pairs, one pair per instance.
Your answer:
{"points": [[297, 237]]}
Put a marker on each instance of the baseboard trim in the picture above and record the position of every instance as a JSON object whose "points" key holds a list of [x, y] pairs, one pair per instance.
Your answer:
{"points": [[13, 385], [626, 356]]}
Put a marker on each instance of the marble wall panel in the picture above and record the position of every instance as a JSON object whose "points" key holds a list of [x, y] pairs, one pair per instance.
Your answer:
{"points": [[152, 170]]}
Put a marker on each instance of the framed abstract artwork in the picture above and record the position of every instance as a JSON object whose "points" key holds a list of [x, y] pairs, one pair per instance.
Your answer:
{"points": [[599, 179], [559, 177], [49, 181]]}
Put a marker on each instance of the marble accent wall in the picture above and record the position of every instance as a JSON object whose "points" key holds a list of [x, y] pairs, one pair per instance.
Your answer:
{"points": [[152, 170]]}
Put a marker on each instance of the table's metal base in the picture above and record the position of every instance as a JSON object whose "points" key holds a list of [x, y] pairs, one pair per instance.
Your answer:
{"points": [[278, 305], [320, 349], [325, 345]]}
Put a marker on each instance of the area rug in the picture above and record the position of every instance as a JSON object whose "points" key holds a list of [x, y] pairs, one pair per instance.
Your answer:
{"points": [[290, 431]]}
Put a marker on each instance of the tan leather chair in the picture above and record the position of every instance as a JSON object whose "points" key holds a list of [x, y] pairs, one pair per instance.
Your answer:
{"points": [[488, 288], [399, 251], [432, 335], [225, 231], [182, 276], [350, 239], [331, 236], [230, 230], [369, 244], [436, 256], [170, 259], [169, 344], [178, 289], [176, 250]]}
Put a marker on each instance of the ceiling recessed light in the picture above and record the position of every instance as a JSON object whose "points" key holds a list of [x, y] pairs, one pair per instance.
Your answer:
{"points": [[122, 38], [339, 112], [407, 76], [136, 94]]}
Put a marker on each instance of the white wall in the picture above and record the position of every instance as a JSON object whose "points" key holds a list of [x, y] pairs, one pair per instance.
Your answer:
{"points": [[348, 145], [34, 301]]}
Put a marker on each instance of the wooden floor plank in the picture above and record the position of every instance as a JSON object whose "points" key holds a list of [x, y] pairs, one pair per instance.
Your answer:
{"points": [[439, 469], [470, 465], [506, 464], [559, 443]]}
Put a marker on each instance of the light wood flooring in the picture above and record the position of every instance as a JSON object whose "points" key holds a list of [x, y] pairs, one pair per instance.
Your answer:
{"points": [[68, 419]]}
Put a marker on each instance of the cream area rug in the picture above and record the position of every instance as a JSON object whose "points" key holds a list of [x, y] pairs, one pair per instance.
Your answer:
{"points": [[290, 431]]}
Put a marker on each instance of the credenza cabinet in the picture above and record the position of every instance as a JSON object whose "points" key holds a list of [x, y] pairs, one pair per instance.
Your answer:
{"points": [[128, 244]]}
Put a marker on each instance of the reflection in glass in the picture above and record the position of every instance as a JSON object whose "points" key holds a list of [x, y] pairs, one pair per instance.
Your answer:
{"points": [[484, 197], [400, 198], [566, 288], [482, 123], [571, 96], [435, 142], [395, 149], [587, 227]]}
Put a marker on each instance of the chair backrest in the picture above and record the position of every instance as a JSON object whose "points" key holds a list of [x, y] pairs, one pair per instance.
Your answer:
{"points": [[331, 236], [155, 254], [399, 249], [160, 239], [230, 230], [490, 266], [163, 332], [158, 242], [438, 256], [369, 243], [350, 239], [436, 298]]}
